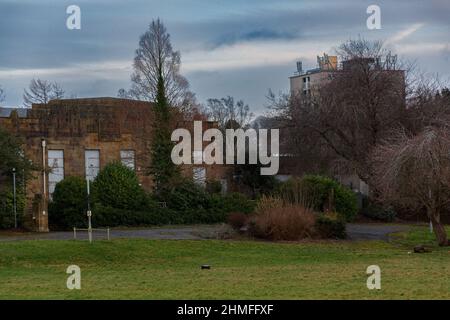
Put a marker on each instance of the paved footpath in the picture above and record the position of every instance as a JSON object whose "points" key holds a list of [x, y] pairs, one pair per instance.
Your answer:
{"points": [[373, 231], [196, 232]]}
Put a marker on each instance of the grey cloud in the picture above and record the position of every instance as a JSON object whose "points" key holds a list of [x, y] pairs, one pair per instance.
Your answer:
{"points": [[33, 35]]}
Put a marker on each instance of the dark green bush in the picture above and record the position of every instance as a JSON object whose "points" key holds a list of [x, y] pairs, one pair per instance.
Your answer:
{"points": [[213, 186], [321, 193], [379, 212], [113, 217], [329, 228], [117, 186], [7, 209], [187, 203], [185, 195], [69, 204]]}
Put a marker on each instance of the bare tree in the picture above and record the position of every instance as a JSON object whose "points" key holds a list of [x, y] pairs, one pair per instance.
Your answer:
{"points": [[429, 104], [226, 111], [414, 171], [42, 91], [155, 56], [351, 110]]}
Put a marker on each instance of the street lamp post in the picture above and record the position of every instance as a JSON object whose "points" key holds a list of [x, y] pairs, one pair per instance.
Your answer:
{"points": [[89, 212], [14, 198]]}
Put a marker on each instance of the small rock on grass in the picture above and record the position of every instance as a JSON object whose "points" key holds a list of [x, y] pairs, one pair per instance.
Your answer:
{"points": [[421, 249]]}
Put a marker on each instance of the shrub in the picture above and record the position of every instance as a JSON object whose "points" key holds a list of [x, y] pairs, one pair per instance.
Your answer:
{"points": [[289, 222], [7, 208], [296, 191], [117, 186], [187, 202], [68, 207], [329, 226], [237, 220], [322, 194], [185, 195], [112, 217], [213, 186], [266, 203], [195, 205], [379, 212], [238, 202]]}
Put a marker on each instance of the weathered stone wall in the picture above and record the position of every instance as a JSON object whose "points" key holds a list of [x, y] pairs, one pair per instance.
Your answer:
{"points": [[75, 125]]}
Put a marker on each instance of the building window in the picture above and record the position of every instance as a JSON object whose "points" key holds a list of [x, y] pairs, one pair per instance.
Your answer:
{"points": [[127, 157], [199, 175], [306, 84], [56, 166], [92, 163], [224, 184]]}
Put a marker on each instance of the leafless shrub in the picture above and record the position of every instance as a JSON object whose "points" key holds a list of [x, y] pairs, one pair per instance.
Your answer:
{"points": [[237, 220], [414, 171], [276, 220], [266, 203]]}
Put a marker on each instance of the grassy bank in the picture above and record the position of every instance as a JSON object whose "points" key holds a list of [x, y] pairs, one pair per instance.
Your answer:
{"points": [[164, 269]]}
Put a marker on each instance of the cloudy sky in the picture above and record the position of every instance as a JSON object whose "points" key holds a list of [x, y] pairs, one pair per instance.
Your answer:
{"points": [[228, 47]]}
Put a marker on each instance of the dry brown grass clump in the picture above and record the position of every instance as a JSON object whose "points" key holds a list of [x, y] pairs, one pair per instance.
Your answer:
{"points": [[276, 219]]}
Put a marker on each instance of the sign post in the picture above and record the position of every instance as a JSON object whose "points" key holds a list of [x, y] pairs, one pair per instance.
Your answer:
{"points": [[14, 198], [89, 212]]}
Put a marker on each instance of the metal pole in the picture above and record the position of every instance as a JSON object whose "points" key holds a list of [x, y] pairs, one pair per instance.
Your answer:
{"points": [[44, 180], [74, 233], [14, 198], [431, 223], [107, 232], [89, 227], [89, 213]]}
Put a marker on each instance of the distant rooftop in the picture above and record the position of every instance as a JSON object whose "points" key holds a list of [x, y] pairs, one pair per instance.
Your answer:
{"points": [[327, 63], [6, 112]]}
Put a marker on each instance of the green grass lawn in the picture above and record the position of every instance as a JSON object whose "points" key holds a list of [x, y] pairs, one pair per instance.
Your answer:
{"points": [[165, 269]]}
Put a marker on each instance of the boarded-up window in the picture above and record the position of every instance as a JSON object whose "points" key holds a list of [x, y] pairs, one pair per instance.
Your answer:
{"points": [[92, 163], [199, 175], [127, 158], [56, 167], [224, 184]]}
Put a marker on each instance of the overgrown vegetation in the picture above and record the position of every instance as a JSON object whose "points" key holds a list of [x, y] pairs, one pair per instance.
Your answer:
{"points": [[12, 157], [282, 222], [118, 200], [117, 186], [68, 207], [320, 193]]}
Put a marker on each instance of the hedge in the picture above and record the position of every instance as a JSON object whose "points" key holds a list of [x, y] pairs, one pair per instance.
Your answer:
{"points": [[187, 203], [7, 209], [317, 191]]}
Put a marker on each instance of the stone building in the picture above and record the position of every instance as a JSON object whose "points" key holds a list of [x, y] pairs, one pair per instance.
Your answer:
{"points": [[77, 137]]}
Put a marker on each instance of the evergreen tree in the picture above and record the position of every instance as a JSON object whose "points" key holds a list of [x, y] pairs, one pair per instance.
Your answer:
{"points": [[162, 167]]}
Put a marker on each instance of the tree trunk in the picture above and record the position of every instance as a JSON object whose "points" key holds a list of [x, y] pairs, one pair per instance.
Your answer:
{"points": [[439, 229]]}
